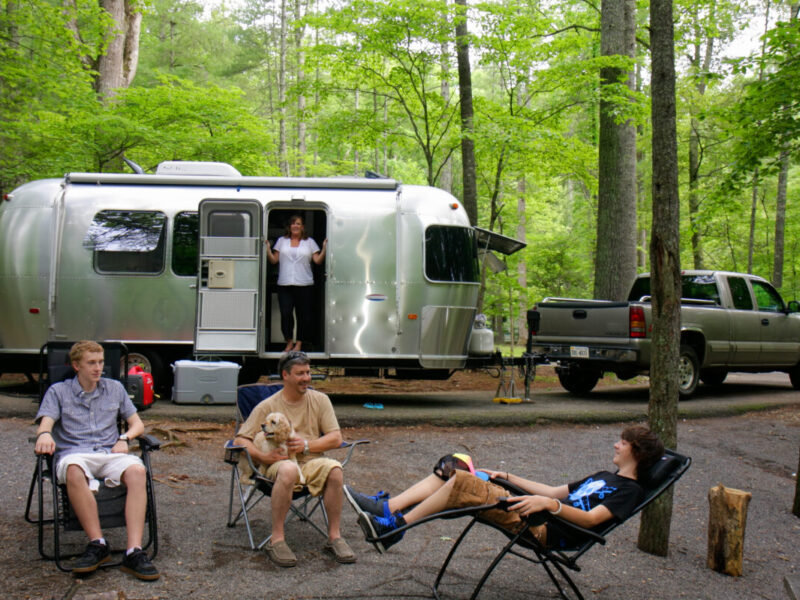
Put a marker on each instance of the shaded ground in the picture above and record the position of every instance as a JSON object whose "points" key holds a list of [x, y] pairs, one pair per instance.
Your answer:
{"points": [[201, 558]]}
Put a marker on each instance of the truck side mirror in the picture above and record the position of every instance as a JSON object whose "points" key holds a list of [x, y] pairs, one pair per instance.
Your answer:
{"points": [[793, 306]]}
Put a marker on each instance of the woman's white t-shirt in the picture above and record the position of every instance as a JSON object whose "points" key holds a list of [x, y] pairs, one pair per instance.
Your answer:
{"points": [[295, 263]]}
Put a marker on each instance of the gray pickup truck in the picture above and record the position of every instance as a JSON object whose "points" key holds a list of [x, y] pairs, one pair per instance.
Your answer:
{"points": [[729, 322]]}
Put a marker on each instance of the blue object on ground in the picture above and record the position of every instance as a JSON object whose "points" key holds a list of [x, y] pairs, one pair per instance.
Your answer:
{"points": [[373, 405]]}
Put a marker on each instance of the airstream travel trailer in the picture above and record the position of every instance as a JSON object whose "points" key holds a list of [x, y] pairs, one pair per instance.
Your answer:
{"points": [[173, 264]]}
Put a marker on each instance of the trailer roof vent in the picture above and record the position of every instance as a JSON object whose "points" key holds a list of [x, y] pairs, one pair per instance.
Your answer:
{"points": [[190, 167]]}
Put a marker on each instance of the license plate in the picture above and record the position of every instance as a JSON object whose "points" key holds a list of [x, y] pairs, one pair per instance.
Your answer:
{"points": [[579, 352]]}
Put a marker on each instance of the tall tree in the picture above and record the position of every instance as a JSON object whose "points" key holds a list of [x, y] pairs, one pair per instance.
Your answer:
{"points": [[469, 182], [664, 266], [116, 67], [615, 265]]}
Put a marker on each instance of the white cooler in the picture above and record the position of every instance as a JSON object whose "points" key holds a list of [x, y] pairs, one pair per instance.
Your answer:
{"points": [[205, 382]]}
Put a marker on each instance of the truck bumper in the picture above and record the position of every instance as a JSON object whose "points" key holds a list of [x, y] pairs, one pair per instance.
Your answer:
{"points": [[600, 354]]}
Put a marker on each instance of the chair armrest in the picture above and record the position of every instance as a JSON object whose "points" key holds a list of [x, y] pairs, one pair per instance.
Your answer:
{"points": [[148, 443], [350, 446], [234, 451], [544, 516]]}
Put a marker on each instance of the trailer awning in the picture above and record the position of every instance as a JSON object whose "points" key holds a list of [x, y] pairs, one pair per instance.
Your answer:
{"points": [[489, 240]]}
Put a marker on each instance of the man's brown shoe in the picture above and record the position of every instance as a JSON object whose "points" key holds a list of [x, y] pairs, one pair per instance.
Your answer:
{"points": [[281, 554], [341, 551]]}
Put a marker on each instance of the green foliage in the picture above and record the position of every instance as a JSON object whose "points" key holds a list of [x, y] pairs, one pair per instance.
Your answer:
{"points": [[374, 84]]}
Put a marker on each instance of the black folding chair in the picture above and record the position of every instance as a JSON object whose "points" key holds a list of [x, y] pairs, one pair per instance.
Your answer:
{"points": [[57, 515], [556, 561], [303, 505], [54, 365]]}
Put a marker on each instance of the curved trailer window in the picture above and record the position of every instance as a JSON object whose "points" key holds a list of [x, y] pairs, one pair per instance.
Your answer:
{"points": [[126, 241], [451, 254]]}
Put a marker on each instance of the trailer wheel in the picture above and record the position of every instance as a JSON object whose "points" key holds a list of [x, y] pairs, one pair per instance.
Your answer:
{"points": [[577, 379], [688, 371], [713, 376]]}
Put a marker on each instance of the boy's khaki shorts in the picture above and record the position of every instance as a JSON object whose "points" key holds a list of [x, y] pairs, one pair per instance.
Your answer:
{"points": [[469, 490]]}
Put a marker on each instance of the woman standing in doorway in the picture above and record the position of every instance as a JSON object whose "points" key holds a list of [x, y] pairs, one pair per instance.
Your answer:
{"points": [[295, 251]]}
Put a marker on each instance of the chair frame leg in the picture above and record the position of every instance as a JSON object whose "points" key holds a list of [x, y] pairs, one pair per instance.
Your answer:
{"points": [[542, 558], [450, 554]]}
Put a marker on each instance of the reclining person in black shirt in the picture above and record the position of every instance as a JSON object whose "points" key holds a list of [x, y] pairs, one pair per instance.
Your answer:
{"points": [[589, 502]]}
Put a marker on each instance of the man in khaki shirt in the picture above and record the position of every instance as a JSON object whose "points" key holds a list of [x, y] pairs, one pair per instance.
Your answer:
{"points": [[316, 430]]}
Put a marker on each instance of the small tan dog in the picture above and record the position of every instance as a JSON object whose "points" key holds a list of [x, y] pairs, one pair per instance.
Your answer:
{"points": [[275, 432]]}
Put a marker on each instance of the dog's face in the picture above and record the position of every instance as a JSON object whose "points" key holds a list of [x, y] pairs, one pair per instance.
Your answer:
{"points": [[277, 427]]}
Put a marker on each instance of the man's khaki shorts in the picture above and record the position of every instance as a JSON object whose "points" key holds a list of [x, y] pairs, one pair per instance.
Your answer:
{"points": [[98, 465], [315, 470]]}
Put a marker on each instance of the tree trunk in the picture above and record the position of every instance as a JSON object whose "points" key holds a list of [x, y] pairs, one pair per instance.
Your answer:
{"points": [[751, 242], [727, 517], [664, 266], [446, 177], [701, 66], [301, 97], [283, 159], [796, 505], [117, 67], [522, 269], [469, 183], [615, 266], [780, 221]]}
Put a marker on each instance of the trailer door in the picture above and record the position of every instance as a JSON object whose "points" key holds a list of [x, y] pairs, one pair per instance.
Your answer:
{"points": [[228, 277]]}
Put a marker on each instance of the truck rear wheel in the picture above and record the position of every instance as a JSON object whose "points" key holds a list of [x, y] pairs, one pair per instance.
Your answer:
{"points": [[688, 371], [578, 379]]}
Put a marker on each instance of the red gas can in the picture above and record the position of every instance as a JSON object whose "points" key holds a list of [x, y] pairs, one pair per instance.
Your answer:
{"points": [[140, 387]]}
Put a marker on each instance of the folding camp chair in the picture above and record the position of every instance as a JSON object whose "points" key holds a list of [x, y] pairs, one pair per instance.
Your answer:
{"points": [[303, 505], [555, 561], [60, 516]]}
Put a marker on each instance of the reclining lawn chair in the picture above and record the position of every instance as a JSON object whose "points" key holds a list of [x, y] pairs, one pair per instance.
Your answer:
{"points": [[54, 365], [303, 504], [61, 517], [57, 512], [555, 561]]}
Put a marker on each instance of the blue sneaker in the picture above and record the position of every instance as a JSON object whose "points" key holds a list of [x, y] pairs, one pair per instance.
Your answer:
{"points": [[373, 505], [375, 527]]}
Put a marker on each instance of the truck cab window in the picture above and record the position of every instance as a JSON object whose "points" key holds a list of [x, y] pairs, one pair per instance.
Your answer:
{"points": [[451, 254], [184, 244], [125, 241], [740, 294], [767, 298]]}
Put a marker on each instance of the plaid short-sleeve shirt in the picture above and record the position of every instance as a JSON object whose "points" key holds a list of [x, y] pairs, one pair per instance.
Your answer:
{"points": [[85, 421]]}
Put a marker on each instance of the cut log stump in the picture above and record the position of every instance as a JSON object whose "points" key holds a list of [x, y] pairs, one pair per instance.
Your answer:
{"points": [[727, 517]]}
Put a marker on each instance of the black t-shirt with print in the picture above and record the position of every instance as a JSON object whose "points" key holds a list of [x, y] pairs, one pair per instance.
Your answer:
{"points": [[618, 494]]}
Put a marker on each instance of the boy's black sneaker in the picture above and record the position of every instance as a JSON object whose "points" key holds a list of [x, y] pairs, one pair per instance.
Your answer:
{"points": [[374, 505], [95, 555], [137, 564], [375, 527]]}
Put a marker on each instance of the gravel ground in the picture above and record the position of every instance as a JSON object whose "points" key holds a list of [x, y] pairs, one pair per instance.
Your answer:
{"points": [[200, 557]]}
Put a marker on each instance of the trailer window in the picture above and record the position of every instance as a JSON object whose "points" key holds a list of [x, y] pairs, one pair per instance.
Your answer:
{"points": [[126, 241], [184, 244], [451, 254]]}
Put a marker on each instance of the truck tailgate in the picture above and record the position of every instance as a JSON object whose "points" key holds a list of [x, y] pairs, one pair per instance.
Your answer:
{"points": [[583, 319]]}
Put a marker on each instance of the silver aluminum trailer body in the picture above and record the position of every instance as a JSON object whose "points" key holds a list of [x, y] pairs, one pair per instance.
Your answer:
{"points": [[114, 257]]}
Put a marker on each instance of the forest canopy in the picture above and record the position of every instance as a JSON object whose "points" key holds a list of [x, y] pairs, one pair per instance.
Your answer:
{"points": [[310, 88]]}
